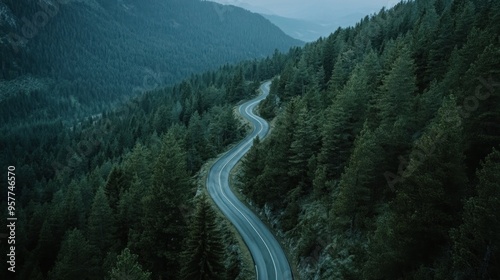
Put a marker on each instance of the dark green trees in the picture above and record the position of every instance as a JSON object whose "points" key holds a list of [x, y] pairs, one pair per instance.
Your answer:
{"points": [[116, 183], [476, 241], [204, 253], [236, 90], [409, 234], [304, 142], [196, 141], [163, 225], [343, 120], [270, 185], [349, 108], [222, 129], [407, 111], [353, 202], [101, 224], [252, 168], [397, 90], [76, 260], [111, 176], [128, 268]]}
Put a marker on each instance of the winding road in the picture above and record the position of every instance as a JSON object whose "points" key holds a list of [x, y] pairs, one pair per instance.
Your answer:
{"points": [[268, 256]]}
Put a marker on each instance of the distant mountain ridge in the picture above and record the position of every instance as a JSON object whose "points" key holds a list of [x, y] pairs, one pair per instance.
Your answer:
{"points": [[309, 30], [93, 51], [304, 30], [310, 22]]}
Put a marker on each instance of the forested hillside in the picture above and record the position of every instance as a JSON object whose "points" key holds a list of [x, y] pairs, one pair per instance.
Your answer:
{"points": [[102, 190], [72, 58], [120, 194], [384, 160]]}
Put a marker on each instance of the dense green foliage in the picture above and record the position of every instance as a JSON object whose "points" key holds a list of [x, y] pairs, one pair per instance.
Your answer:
{"points": [[71, 58], [379, 131], [204, 251], [382, 163], [124, 179], [127, 268]]}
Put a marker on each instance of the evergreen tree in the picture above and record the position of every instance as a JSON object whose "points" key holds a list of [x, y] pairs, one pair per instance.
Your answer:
{"points": [[252, 167], [481, 102], [476, 242], [272, 183], [236, 90], [196, 143], [163, 225], [51, 233], [222, 128], [343, 66], [45, 248], [267, 108], [129, 214], [302, 149], [128, 268], [299, 81], [76, 259], [71, 209], [137, 163], [116, 183], [337, 140], [427, 199], [344, 118], [230, 130], [235, 267], [161, 119], [398, 89], [35, 223], [204, 254], [391, 71], [352, 205], [101, 223], [395, 105], [329, 55], [283, 81], [425, 46]]}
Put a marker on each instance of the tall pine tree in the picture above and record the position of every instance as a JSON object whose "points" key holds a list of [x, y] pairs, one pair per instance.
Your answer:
{"points": [[163, 225], [101, 223], [204, 253], [76, 259], [128, 268], [410, 233], [352, 204], [476, 243]]}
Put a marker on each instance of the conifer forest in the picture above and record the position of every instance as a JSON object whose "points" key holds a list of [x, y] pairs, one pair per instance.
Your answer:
{"points": [[382, 160]]}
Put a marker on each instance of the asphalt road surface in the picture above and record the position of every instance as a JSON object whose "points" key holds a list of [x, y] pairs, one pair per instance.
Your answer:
{"points": [[268, 256]]}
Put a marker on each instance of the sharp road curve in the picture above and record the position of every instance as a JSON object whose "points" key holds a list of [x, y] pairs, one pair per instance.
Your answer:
{"points": [[269, 258]]}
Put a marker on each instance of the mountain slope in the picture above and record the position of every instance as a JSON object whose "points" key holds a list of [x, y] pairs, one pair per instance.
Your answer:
{"points": [[383, 162], [95, 51]]}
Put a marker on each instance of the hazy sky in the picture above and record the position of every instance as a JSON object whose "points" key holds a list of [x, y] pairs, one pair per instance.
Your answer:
{"points": [[312, 9]]}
